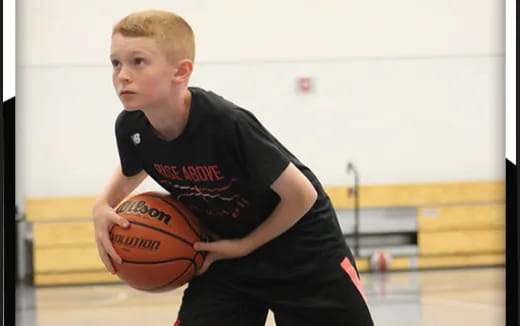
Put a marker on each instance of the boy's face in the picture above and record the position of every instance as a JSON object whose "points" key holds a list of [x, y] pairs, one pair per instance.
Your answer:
{"points": [[142, 75]]}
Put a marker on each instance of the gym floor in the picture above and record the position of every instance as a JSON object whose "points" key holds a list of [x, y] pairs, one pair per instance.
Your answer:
{"points": [[470, 296]]}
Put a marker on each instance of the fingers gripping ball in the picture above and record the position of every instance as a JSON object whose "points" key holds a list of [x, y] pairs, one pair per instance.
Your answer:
{"points": [[157, 248]]}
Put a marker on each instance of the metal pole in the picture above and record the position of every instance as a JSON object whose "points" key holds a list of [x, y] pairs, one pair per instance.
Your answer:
{"points": [[355, 191]]}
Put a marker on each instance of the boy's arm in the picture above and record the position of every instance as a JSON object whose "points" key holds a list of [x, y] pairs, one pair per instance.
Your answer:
{"points": [[297, 195], [119, 186], [104, 215]]}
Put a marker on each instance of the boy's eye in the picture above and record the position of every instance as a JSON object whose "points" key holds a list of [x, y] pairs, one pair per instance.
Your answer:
{"points": [[139, 61], [115, 63]]}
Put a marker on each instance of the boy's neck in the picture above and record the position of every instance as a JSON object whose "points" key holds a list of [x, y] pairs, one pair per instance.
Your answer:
{"points": [[169, 121]]}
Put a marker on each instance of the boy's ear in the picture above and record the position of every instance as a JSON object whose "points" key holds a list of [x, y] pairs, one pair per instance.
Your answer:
{"points": [[184, 70]]}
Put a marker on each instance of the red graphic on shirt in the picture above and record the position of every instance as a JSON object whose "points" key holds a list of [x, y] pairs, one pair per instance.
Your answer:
{"points": [[220, 200], [196, 173]]}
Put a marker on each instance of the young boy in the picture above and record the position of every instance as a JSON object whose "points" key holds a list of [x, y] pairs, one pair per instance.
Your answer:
{"points": [[278, 244]]}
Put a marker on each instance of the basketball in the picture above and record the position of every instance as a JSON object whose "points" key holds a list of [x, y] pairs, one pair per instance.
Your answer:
{"points": [[380, 261], [157, 247]]}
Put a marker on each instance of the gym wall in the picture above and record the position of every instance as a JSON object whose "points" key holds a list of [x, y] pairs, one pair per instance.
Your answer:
{"points": [[405, 104]]}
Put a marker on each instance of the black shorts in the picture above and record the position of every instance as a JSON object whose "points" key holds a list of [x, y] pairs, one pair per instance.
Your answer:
{"points": [[329, 296]]}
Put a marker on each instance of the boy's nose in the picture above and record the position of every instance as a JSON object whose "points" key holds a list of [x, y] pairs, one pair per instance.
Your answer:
{"points": [[123, 75]]}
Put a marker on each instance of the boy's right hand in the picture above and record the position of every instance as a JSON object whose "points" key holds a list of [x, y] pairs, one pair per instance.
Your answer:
{"points": [[104, 218]]}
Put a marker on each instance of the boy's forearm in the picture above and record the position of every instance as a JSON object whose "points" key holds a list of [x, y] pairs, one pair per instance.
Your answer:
{"points": [[288, 211], [118, 187]]}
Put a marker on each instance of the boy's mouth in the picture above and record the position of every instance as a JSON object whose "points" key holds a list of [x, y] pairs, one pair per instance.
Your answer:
{"points": [[126, 93]]}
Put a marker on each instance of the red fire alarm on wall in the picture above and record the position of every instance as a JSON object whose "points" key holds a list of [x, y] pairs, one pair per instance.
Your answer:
{"points": [[304, 84]]}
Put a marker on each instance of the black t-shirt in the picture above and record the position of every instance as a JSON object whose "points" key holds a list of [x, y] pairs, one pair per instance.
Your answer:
{"points": [[221, 167]]}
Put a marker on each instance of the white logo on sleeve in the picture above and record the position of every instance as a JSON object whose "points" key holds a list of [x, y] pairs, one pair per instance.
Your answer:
{"points": [[136, 138]]}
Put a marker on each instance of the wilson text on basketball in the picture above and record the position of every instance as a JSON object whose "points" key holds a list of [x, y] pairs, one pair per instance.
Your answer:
{"points": [[131, 206]]}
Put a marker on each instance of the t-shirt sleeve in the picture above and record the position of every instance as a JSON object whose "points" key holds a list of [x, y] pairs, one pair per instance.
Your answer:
{"points": [[259, 153], [128, 156]]}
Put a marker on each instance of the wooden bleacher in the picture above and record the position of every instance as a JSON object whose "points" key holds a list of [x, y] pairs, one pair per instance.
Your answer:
{"points": [[459, 224]]}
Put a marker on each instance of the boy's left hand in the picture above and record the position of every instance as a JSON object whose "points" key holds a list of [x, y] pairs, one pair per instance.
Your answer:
{"points": [[221, 249]]}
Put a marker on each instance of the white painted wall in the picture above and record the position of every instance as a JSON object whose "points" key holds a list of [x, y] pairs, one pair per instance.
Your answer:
{"points": [[410, 91], [57, 32]]}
